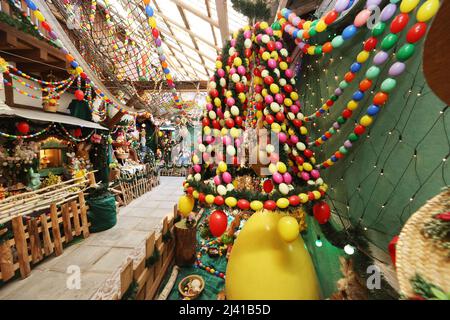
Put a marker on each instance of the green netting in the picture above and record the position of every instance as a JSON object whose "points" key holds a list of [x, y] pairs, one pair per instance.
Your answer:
{"points": [[400, 163]]}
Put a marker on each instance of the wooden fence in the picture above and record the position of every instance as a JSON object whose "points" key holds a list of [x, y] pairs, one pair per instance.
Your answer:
{"points": [[35, 238], [133, 186]]}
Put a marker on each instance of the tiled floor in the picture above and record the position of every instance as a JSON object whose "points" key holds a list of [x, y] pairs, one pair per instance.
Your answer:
{"points": [[102, 253]]}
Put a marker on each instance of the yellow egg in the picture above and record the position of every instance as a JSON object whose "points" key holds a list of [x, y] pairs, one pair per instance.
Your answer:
{"points": [[274, 88], [408, 5], [303, 197], [303, 130], [222, 167], [316, 194], [256, 205], [275, 127], [307, 25], [321, 26], [263, 25], [294, 96], [427, 10], [281, 167], [209, 199], [352, 105], [282, 203], [362, 56], [218, 64], [260, 255], [366, 121], [307, 166], [231, 202]]}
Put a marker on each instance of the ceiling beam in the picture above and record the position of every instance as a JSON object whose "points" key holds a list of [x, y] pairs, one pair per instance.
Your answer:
{"points": [[191, 33], [197, 12], [208, 10], [222, 14], [188, 27], [150, 85]]}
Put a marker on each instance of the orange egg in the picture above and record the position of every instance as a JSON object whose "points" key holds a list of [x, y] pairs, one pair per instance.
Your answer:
{"points": [[380, 98], [365, 85]]}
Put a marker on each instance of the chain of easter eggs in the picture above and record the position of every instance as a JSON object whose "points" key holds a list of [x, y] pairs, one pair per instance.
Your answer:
{"points": [[388, 42], [29, 95], [425, 12], [77, 69], [50, 88], [22, 74], [348, 33], [282, 202]]}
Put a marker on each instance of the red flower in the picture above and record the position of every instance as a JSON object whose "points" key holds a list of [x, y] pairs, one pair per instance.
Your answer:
{"points": [[444, 216]]}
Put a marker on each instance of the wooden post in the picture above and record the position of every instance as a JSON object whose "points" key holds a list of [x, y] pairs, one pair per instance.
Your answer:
{"points": [[185, 243], [91, 178], [66, 223], [48, 245], [21, 246], [83, 212], [55, 230], [35, 241], [76, 219], [6, 261]]}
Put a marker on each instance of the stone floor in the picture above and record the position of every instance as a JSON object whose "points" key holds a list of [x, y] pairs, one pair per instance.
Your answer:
{"points": [[98, 256]]}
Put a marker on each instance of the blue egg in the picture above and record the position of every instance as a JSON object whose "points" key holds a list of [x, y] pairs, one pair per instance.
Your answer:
{"points": [[324, 138], [321, 111], [295, 33], [373, 110], [333, 158], [31, 5], [149, 10], [355, 67], [358, 95], [349, 32], [74, 64]]}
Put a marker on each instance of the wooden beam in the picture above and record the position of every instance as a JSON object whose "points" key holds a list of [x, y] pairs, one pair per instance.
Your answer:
{"points": [[208, 10], [150, 85], [222, 14], [197, 12], [188, 27], [191, 33], [9, 93]]}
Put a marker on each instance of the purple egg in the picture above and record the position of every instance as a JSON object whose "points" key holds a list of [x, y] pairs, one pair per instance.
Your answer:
{"points": [[336, 125], [380, 57], [388, 12], [348, 144], [338, 91], [301, 45], [370, 3], [341, 5], [397, 69], [158, 42]]}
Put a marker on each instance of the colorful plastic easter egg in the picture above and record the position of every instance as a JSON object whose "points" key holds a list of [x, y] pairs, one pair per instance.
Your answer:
{"points": [[427, 10], [416, 32], [406, 52]]}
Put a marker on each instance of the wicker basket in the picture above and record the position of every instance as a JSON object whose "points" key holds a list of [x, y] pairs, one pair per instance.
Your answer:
{"points": [[419, 255], [188, 279]]}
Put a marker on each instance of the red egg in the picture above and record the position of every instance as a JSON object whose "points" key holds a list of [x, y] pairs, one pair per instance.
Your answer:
{"points": [[399, 22], [359, 130], [416, 32], [331, 17], [243, 204], [294, 200], [370, 44], [270, 205]]}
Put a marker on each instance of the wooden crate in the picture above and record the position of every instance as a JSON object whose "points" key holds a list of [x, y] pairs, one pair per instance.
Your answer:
{"points": [[43, 236]]}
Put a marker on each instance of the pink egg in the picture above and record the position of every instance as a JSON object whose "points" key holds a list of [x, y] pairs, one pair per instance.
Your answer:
{"points": [[221, 73], [362, 18], [241, 70], [206, 157], [230, 102], [305, 175], [247, 34], [289, 73], [277, 178], [287, 178], [279, 98], [268, 99], [294, 139], [209, 139], [258, 37], [209, 107], [294, 109], [232, 71], [217, 180], [226, 177], [269, 31], [272, 63], [197, 168], [233, 42], [238, 142], [315, 174], [278, 45], [227, 140], [282, 137], [274, 157]]}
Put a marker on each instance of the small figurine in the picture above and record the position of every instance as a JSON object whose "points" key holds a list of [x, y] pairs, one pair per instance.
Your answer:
{"points": [[35, 179]]}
